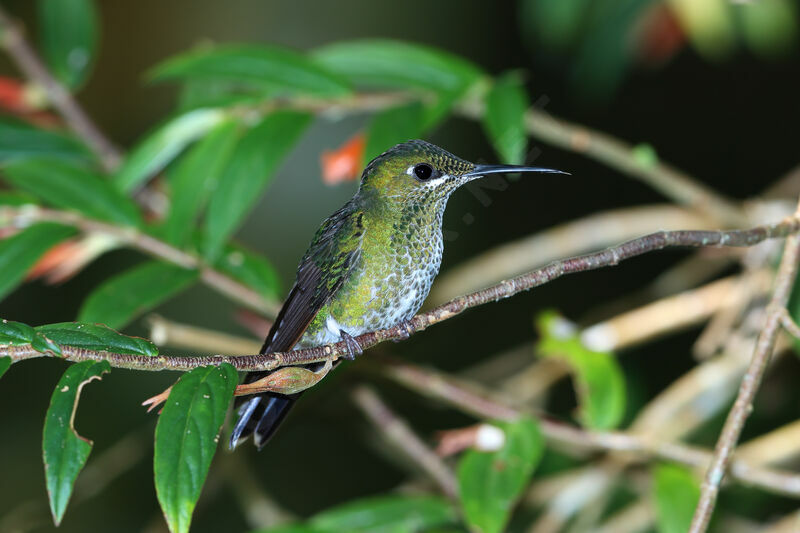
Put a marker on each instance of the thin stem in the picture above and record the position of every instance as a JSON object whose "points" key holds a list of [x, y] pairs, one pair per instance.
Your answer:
{"points": [[25, 215], [26, 59], [504, 289], [749, 386]]}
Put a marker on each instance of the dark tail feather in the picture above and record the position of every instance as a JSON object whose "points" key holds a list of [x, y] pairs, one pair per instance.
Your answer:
{"points": [[260, 416]]}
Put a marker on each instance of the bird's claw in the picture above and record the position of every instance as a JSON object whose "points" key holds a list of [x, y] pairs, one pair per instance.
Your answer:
{"points": [[353, 348]]}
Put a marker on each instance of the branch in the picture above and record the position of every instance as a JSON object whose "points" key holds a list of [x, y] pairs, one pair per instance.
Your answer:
{"points": [[504, 289], [749, 386], [25, 215], [26, 59]]}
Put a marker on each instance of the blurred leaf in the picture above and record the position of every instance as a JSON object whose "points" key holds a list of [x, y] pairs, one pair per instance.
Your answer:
{"points": [[120, 299], [769, 26], [96, 337], [68, 30], [386, 514], [186, 439], [676, 493], [21, 251], [194, 177], [393, 126], [292, 528], [218, 93], [556, 24], [252, 164], [16, 198], [5, 363], [709, 25], [386, 63], [277, 70], [19, 140], [72, 187], [251, 269], [65, 452], [598, 377], [162, 145], [490, 483], [504, 120]]}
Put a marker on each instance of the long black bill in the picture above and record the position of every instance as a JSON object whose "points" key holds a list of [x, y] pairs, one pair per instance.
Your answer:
{"points": [[485, 170]]}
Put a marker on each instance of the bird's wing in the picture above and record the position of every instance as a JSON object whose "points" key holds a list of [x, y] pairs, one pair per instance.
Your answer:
{"points": [[334, 251]]}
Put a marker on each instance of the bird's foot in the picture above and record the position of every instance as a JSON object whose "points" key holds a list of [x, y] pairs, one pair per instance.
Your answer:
{"points": [[406, 329], [353, 348]]}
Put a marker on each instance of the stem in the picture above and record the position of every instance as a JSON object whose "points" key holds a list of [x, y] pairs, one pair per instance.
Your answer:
{"points": [[749, 386], [504, 289], [26, 59]]}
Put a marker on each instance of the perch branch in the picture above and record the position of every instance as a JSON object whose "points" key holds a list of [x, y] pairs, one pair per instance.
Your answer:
{"points": [[749, 386], [505, 289]]}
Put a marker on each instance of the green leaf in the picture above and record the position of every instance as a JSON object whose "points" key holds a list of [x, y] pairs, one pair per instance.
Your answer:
{"points": [[393, 126], [65, 452], [292, 528], [490, 483], [186, 439], [505, 118], [69, 186], [195, 176], [252, 164], [598, 378], [276, 70], [162, 145], [21, 251], [16, 199], [387, 514], [19, 140], [251, 269], [769, 27], [676, 493], [120, 299], [68, 30], [397, 64], [15, 333], [5, 363], [96, 337]]}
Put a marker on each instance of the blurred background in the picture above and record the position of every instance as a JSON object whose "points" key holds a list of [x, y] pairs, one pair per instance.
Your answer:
{"points": [[711, 85]]}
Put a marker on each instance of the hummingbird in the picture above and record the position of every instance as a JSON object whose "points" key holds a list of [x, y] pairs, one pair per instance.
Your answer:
{"points": [[370, 264]]}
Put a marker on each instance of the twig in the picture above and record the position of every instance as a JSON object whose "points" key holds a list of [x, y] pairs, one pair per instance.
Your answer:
{"points": [[167, 332], [78, 121], [470, 399], [397, 430], [25, 215], [505, 289], [620, 155], [747, 390]]}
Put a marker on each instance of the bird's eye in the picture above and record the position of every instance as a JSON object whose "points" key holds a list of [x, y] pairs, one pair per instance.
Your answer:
{"points": [[423, 171]]}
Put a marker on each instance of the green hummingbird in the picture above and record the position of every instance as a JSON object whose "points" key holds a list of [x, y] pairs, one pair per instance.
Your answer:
{"points": [[370, 265]]}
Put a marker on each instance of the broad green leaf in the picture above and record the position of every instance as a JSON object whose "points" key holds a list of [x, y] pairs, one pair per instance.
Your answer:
{"points": [[252, 164], [598, 378], [5, 363], [162, 145], [216, 93], [676, 493], [194, 177], [21, 251], [393, 126], [65, 452], [96, 337], [120, 299], [251, 269], [186, 439], [19, 140], [397, 64], [770, 26], [387, 514], [276, 70], [490, 483], [68, 30], [16, 199], [69, 186], [505, 118], [17, 333], [292, 528]]}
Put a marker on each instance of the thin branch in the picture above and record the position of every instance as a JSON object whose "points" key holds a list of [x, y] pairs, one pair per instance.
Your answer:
{"points": [[25, 215], [26, 59], [505, 289], [622, 156], [749, 386], [397, 431]]}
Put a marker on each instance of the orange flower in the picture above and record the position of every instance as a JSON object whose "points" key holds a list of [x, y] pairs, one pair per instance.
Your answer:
{"points": [[344, 164]]}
